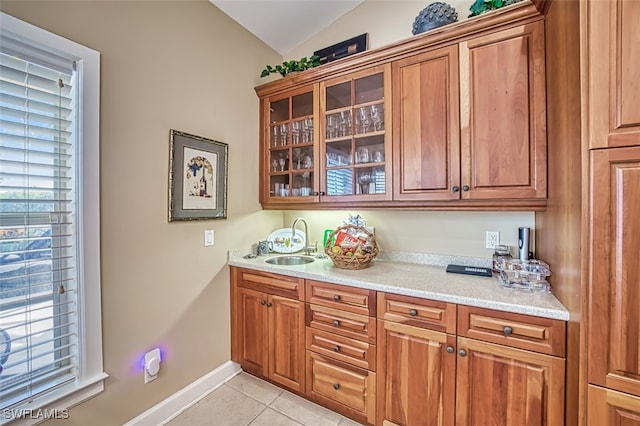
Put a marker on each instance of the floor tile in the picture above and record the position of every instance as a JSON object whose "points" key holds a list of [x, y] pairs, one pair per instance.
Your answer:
{"points": [[348, 422], [223, 407], [257, 389], [271, 417], [304, 411]]}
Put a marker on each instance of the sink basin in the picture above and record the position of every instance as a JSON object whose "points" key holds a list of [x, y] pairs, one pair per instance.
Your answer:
{"points": [[290, 260]]}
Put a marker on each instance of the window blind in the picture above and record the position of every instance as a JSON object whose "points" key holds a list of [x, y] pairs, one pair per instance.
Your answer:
{"points": [[38, 235]]}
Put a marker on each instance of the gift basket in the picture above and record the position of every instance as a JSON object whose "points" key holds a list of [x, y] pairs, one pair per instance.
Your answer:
{"points": [[351, 247]]}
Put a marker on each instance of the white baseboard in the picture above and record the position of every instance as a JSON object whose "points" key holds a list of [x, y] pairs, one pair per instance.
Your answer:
{"points": [[166, 410]]}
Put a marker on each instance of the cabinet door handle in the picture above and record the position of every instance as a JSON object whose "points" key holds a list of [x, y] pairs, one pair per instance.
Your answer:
{"points": [[455, 188], [462, 352], [336, 386], [465, 187], [336, 297], [262, 302], [336, 348], [269, 304], [336, 323], [450, 349], [507, 330], [315, 193], [413, 312]]}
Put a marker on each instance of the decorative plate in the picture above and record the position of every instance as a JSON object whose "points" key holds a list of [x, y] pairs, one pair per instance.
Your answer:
{"points": [[284, 242]]}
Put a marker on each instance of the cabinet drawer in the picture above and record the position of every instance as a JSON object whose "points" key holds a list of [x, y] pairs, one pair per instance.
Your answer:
{"points": [[355, 352], [439, 316], [353, 389], [520, 331], [281, 285], [342, 323], [356, 300]]}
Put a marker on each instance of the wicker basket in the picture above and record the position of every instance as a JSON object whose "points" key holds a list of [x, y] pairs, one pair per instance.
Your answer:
{"points": [[357, 260]]}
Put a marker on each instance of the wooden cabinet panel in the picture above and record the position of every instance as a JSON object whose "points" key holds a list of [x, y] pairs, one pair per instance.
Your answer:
{"points": [[426, 134], [286, 342], [521, 331], [282, 285], [608, 407], [503, 114], [343, 323], [614, 270], [613, 80], [425, 313], [356, 352], [416, 376], [506, 386], [351, 299], [340, 386], [252, 331]]}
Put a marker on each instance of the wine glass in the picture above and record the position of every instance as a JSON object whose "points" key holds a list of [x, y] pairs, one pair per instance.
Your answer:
{"points": [[365, 179], [274, 164], [282, 161]]}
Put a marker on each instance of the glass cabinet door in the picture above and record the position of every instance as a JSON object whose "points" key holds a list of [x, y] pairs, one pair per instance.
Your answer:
{"points": [[356, 144], [291, 146]]}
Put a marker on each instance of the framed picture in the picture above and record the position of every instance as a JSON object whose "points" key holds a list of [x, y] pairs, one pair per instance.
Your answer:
{"points": [[197, 178]]}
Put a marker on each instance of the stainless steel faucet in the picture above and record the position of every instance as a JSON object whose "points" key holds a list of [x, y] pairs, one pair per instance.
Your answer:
{"points": [[308, 248]]}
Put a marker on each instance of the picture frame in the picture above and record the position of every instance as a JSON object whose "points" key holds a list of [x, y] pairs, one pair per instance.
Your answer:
{"points": [[197, 177]]}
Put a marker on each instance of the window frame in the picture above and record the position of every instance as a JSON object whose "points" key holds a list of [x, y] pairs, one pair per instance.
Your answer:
{"points": [[91, 376]]}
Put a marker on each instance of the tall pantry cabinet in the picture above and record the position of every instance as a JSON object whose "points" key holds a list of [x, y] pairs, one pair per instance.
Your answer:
{"points": [[611, 129]]}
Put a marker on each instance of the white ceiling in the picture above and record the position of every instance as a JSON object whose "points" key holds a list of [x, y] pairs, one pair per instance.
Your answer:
{"points": [[285, 24]]}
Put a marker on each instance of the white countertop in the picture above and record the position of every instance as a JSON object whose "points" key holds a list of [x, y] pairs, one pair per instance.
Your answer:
{"points": [[419, 280]]}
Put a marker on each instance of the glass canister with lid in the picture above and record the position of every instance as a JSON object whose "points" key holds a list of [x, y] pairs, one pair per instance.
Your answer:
{"points": [[502, 254]]}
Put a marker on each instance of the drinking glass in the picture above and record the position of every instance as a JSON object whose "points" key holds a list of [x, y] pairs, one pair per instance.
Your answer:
{"points": [[365, 179], [282, 161]]}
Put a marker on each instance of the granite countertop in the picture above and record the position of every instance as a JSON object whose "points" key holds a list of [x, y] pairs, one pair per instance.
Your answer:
{"points": [[421, 276]]}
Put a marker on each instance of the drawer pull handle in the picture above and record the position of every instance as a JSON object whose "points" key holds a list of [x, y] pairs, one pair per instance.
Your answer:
{"points": [[450, 349], [507, 331], [336, 323], [462, 352], [413, 312], [336, 348], [269, 304], [262, 302], [336, 386], [336, 297]]}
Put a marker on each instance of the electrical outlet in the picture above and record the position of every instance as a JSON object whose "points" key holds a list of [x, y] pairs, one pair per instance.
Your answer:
{"points": [[493, 239]]}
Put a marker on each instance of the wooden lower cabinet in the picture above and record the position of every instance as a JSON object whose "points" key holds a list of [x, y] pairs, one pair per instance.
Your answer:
{"points": [[342, 387], [416, 375], [610, 407], [386, 359], [267, 329], [500, 385]]}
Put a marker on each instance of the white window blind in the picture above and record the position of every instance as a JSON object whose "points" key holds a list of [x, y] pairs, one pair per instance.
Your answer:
{"points": [[37, 225], [44, 355]]}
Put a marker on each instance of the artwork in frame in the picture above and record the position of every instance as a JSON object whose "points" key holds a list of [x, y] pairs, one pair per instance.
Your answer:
{"points": [[197, 177]]}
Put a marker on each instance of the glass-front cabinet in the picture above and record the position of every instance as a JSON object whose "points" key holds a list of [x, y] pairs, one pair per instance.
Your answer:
{"points": [[356, 150], [291, 148]]}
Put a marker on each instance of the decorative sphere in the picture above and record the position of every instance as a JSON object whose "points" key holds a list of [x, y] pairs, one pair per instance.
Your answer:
{"points": [[435, 15]]}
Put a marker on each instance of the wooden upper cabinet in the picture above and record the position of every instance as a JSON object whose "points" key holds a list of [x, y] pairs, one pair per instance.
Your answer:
{"points": [[289, 149], [426, 127], [355, 143], [614, 73], [503, 114], [614, 270], [499, 385]]}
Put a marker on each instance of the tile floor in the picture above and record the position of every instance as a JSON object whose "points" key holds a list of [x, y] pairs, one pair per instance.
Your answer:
{"points": [[246, 400]]}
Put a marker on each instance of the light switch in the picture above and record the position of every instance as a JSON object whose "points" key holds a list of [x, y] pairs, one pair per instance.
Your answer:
{"points": [[208, 237]]}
